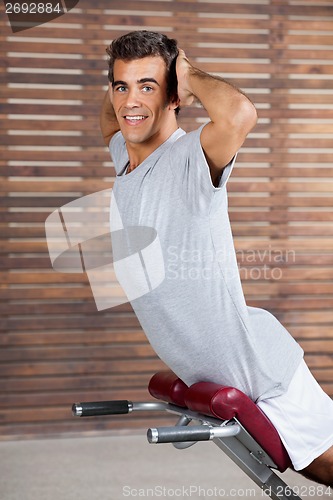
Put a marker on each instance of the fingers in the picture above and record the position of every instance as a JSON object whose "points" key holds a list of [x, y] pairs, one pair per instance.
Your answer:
{"points": [[182, 55], [183, 68]]}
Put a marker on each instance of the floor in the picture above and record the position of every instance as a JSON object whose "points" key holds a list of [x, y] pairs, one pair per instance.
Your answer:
{"points": [[126, 466]]}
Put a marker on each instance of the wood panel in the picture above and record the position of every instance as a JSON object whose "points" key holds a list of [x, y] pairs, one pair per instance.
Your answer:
{"points": [[55, 347]]}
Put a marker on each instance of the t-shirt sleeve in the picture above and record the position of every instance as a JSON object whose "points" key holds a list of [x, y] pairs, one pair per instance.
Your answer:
{"points": [[191, 171], [118, 152]]}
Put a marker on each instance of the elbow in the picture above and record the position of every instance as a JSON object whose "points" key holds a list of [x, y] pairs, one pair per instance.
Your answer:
{"points": [[246, 118], [254, 116], [237, 123], [107, 139]]}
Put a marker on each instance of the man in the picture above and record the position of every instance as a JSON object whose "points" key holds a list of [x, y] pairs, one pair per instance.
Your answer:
{"points": [[197, 319]]}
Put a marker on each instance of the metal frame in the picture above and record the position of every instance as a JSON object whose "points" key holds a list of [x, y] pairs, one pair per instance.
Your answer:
{"points": [[229, 435]]}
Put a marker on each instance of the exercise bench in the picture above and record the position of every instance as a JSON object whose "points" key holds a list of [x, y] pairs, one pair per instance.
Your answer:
{"points": [[223, 414]]}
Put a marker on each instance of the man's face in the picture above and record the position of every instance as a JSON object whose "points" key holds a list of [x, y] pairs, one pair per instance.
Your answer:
{"points": [[139, 98]]}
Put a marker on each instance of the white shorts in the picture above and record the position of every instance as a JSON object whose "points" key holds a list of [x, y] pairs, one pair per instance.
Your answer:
{"points": [[303, 417]]}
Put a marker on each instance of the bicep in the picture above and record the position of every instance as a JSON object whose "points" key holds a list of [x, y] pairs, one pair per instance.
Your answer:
{"points": [[219, 148], [221, 140]]}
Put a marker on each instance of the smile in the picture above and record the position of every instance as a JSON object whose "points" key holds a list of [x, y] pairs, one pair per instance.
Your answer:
{"points": [[134, 120]]}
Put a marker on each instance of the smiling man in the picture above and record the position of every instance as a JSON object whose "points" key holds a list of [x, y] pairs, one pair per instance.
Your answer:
{"points": [[145, 116], [197, 319]]}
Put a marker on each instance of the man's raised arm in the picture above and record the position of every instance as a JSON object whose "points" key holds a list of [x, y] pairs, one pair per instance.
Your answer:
{"points": [[108, 121], [232, 115]]}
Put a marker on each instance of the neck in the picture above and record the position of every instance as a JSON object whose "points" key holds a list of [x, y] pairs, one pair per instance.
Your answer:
{"points": [[138, 152]]}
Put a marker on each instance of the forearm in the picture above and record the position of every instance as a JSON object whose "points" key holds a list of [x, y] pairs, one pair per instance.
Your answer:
{"points": [[108, 121], [232, 115]]}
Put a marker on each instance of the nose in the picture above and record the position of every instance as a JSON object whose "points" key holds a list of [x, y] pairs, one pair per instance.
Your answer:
{"points": [[132, 98]]}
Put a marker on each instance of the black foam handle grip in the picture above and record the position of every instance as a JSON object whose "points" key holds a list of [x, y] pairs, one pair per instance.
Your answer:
{"points": [[179, 434], [95, 408]]}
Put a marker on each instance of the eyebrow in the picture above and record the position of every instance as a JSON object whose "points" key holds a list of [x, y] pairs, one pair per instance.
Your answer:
{"points": [[142, 80]]}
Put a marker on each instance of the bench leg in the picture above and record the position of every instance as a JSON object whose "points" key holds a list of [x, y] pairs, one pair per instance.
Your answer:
{"points": [[260, 473], [277, 489]]}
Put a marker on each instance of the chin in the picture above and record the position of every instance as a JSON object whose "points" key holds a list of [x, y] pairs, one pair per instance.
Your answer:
{"points": [[135, 138]]}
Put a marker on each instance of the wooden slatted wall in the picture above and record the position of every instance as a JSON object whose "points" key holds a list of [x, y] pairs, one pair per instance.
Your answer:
{"points": [[55, 347]]}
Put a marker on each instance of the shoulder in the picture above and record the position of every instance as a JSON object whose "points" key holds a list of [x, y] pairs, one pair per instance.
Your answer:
{"points": [[118, 151], [187, 155], [117, 141], [186, 140], [187, 150]]}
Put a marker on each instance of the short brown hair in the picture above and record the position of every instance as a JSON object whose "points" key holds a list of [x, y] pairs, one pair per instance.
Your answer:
{"points": [[140, 44]]}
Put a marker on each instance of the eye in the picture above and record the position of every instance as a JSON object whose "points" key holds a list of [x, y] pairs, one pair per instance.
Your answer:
{"points": [[120, 88], [147, 88]]}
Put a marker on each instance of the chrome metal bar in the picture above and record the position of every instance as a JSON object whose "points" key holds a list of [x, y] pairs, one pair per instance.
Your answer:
{"points": [[149, 406], [194, 433]]}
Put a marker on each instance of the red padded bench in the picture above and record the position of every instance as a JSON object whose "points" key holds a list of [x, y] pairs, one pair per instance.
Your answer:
{"points": [[224, 403]]}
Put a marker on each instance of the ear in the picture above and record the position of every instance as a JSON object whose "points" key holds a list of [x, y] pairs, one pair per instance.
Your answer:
{"points": [[174, 103]]}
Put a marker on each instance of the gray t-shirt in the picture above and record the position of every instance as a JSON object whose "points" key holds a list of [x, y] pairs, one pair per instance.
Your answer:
{"points": [[197, 319]]}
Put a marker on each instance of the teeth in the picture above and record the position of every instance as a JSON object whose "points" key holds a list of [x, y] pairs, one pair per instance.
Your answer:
{"points": [[136, 118]]}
